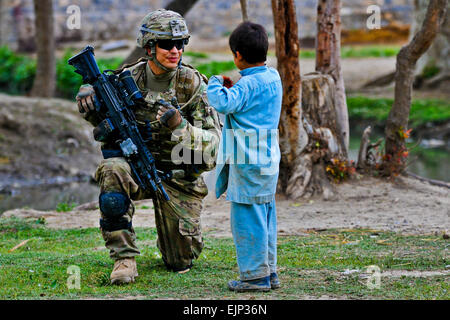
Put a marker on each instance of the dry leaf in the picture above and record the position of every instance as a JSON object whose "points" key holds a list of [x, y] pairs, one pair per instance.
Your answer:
{"points": [[19, 245]]}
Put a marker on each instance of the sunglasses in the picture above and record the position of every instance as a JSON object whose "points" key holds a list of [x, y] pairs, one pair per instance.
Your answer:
{"points": [[169, 44]]}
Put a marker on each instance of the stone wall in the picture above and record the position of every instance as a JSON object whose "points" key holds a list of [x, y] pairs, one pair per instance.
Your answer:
{"points": [[115, 19]]}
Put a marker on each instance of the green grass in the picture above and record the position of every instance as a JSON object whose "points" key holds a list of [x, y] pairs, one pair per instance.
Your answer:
{"points": [[309, 266], [196, 55], [359, 52], [422, 111], [65, 207], [215, 67]]}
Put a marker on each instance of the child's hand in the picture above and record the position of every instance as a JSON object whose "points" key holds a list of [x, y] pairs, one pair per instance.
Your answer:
{"points": [[227, 82]]}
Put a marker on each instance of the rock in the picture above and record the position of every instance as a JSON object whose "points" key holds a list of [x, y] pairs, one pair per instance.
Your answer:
{"points": [[115, 45], [348, 271]]}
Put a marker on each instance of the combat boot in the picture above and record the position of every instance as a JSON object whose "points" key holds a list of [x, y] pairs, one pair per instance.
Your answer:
{"points": [[124, 271]]}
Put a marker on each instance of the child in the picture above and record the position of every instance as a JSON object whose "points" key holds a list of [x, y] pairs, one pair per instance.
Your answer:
{"points": [[252, 109]]}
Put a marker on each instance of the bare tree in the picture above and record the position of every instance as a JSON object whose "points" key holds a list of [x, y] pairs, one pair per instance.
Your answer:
{"points": [[244, 10], [2, 22], [180, 6], [287, 52], [45, 81], [308, 127], [407, 58], [437, 58], [328, 59]]}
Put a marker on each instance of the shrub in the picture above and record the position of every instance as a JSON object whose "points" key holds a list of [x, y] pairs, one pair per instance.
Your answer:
{"points": [[17, 73], [215, 67]]}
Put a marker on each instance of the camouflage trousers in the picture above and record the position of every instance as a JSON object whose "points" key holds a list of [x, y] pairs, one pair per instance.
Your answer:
{"points": [[177, 221]]}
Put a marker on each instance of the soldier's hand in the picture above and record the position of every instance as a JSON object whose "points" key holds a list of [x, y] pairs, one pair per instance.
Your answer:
{"points": [[85, 99], [169, 115]]}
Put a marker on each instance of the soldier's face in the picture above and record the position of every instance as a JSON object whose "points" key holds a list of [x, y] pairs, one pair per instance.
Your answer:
{"points": [[168, 58]]}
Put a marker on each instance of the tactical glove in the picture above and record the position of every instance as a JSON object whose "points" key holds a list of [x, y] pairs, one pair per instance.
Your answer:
{"points": [[169, 114], [85, 99]]}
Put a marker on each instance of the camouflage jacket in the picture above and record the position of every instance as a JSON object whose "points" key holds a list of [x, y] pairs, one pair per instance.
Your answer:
{"points": [[195, 142]]}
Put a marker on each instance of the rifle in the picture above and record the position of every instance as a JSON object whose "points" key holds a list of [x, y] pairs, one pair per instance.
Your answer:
{"points": [[116, 95]]}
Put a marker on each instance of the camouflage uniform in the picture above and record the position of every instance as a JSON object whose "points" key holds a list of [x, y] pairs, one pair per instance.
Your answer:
{"points": [[178, 220]]}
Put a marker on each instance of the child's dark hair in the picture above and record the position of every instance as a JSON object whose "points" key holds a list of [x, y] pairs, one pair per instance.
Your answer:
{"points": [[251, 40]]}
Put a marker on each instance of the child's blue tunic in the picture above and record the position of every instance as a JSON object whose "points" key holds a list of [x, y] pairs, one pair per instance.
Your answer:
{"points": [[249, 154]]}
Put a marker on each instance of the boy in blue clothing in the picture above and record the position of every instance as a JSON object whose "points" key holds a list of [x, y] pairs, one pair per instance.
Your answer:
{"points": [[249, 155]]}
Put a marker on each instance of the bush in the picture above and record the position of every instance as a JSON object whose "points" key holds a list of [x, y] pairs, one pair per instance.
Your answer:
{"points": [[65, 207], [422, 110], [358, 52], [17, 73], [215, 67], [68, 81]]}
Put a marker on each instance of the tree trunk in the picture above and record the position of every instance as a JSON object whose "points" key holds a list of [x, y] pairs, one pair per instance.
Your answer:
{"points": [[2, 22], [292, 134], [407, 58], [45, 81], [180, 6], [323, 143], [437, 56], [244, 10], [328, 59]]}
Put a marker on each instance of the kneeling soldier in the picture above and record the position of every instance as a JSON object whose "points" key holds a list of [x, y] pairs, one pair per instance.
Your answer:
{"points": [[160, 77]]}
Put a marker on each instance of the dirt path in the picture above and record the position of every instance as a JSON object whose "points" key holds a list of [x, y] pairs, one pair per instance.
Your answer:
{"points": [[409, 206]]}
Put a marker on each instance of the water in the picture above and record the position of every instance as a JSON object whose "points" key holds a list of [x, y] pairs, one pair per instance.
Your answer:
{"points": [[48, 197], [428, 162]]}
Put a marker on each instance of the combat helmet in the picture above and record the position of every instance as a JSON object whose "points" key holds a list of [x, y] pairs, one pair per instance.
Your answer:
{"points": [[162, 25]]}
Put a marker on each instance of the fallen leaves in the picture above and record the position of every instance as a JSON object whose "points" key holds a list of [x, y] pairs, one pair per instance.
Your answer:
{"points": [[383, 242]]}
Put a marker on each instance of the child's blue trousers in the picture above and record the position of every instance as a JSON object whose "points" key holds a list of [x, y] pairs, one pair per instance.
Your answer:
{"points": [[254, 229]]}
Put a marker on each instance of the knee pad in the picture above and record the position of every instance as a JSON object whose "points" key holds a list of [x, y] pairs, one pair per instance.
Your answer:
{"points": [[114, 206]]}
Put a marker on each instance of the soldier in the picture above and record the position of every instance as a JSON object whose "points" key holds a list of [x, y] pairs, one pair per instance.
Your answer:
{"points": [[195, 127]]}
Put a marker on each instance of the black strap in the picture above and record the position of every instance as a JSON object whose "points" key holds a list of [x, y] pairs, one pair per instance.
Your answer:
{"points": [[111, 153], [115, 225]]}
